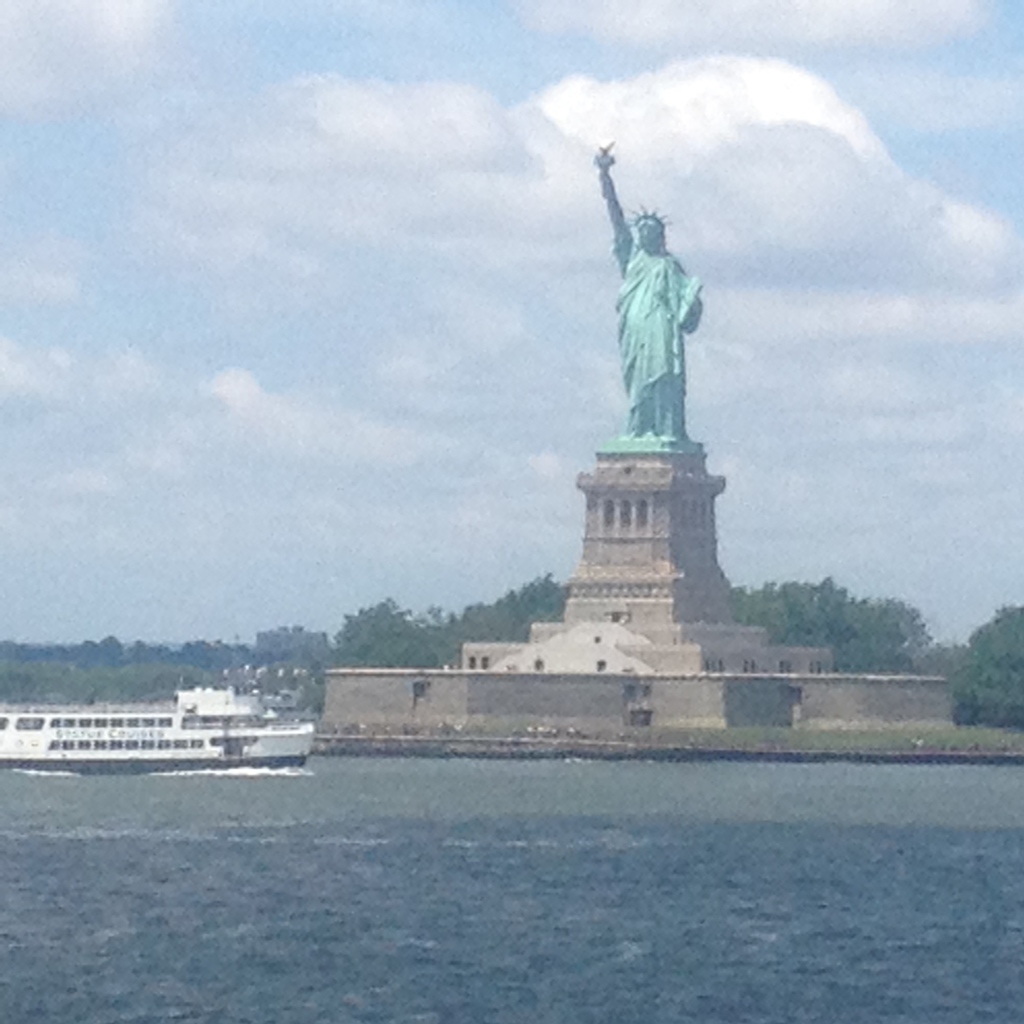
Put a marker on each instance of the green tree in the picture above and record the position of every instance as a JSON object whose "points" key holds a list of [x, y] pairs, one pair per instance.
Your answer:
{"points": [[989, 686], [865, 634], [509, 618], [386, 635]]}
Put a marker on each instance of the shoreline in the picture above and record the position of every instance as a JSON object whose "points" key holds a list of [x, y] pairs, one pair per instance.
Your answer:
{"points": [[517, 748]]}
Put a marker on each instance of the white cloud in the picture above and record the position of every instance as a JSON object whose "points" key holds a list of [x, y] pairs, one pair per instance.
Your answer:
{"points": [[57, 376], [55, 53], [767, 175], [27, 374], [760, 25], [294, 426]]}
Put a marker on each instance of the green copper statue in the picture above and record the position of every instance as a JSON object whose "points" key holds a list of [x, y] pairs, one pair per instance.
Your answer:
{"points": [[658, 304]]}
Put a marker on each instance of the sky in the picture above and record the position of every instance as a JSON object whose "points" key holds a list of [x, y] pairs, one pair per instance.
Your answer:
{"points": [[308, 304]]}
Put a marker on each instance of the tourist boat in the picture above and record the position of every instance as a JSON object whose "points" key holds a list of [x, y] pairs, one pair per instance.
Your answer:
{"points": [[202, 729]]}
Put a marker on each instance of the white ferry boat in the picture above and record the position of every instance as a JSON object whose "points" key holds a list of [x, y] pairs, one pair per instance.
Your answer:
{"points": [[203, 728]]}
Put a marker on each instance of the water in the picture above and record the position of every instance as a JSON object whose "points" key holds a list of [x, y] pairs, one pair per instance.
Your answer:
{"points": [[507, 892]]}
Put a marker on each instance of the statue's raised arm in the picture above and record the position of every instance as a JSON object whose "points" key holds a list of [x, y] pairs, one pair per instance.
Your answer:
{"points": [[623, 244]]}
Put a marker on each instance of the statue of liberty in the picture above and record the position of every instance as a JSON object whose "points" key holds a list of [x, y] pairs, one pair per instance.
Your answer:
{"points": [[658, 304]]}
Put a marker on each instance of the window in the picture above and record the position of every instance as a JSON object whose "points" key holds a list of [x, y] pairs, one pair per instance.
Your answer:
{"points": [[131, 744], [148, 723], [538, 665], [640, 717], [85, 744], [609, 513], [180, 744], [164, 723], [749, 665], [485, 662], [641, 514], [163, 744], [817, 668], [117, 744], [29, 724], [616, 616], [85, 723], [472, 661], [602, 665], [131, 723], [3, 723], [625, 515], [99, 723], [99, 745], [419, 688], [195, 744], [148, 744], [117, 723], [55, 744], [67, 744], [785, 666]]}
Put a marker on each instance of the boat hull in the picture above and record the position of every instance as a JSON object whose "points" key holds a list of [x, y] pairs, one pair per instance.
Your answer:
{"points": [[155, 766]]}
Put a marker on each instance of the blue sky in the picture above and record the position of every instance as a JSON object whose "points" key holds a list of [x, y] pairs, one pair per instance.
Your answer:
{"points": [[307, 304]]}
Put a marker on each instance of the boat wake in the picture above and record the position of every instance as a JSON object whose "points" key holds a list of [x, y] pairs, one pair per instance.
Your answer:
{"points": [[56, 773], [240, 773]]}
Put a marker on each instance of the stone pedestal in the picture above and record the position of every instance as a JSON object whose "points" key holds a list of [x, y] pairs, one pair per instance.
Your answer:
{"points": [[650, 551]]}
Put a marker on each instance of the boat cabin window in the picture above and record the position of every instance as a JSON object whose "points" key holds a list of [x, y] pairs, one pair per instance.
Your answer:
{"points": [[149, 723], [131, 744], [164, 723], [131, 723], [163, 744], [117, 723], [67, 744], [85, 744], [55, 744], [117, 744], [99, 745], [99, 723], [195, 743], [180, 744], [29, 724], [85, 723], [3, 723]]}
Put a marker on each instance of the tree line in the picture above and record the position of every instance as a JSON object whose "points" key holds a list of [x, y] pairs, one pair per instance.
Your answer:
{"points": [[866, 635]]}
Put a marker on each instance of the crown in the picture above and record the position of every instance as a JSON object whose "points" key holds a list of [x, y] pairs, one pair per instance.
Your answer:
{"points": [[649, 217]]}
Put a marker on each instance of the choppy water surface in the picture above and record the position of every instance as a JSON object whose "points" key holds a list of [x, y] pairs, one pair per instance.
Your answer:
{"points": [[506, 892]]}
